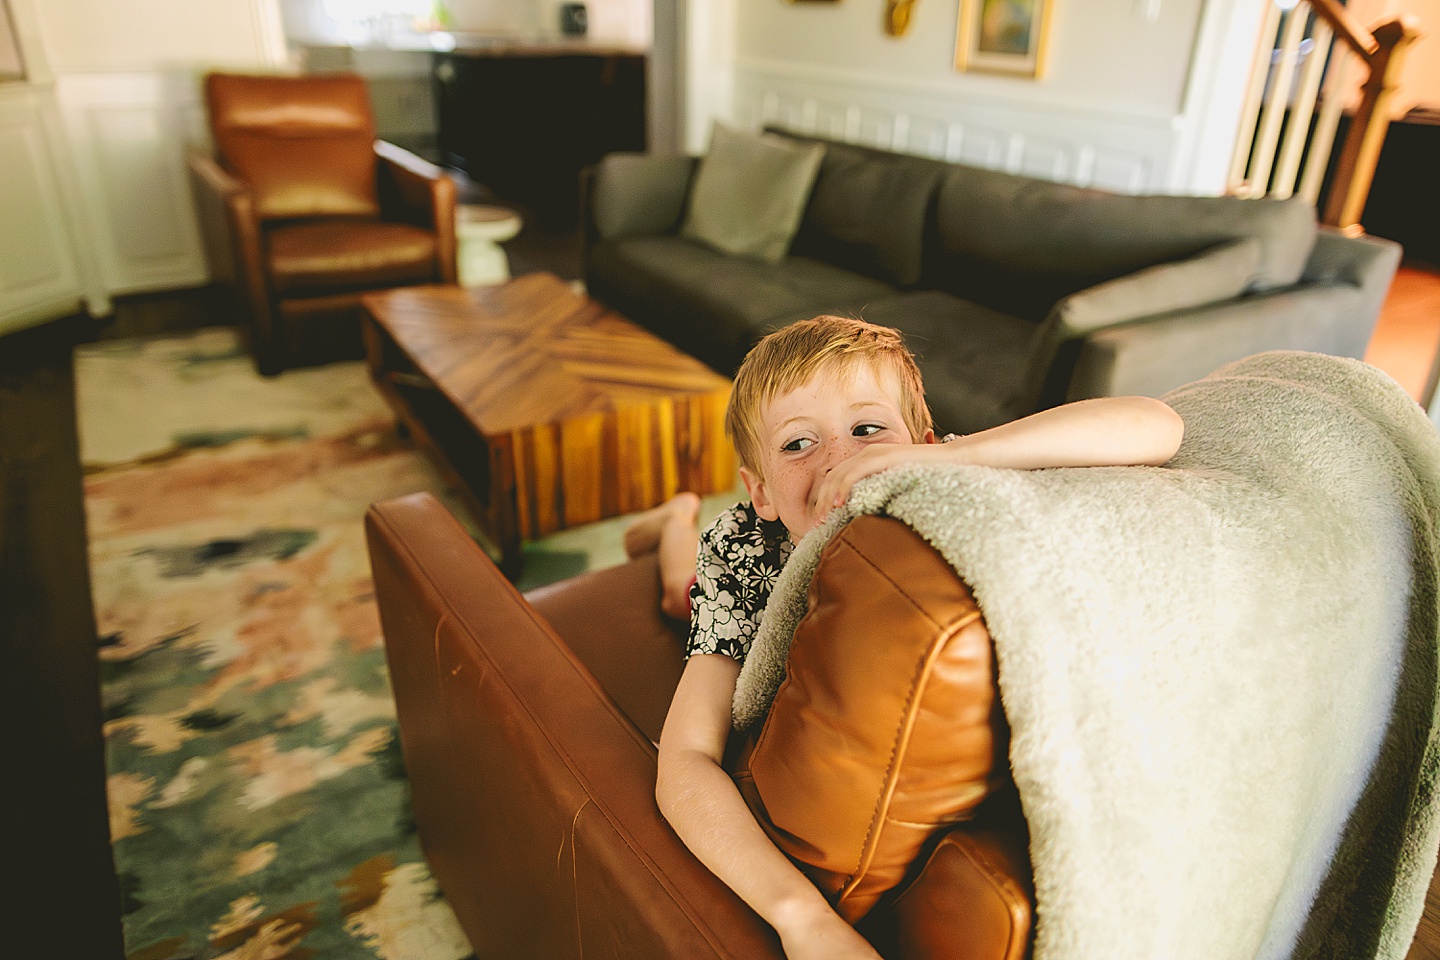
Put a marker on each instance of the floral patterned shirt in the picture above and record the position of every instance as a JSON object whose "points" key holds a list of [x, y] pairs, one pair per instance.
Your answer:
{"points": [[739, 560]]}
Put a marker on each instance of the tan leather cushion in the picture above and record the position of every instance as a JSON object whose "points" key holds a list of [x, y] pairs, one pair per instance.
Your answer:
{"points": [[972, 897], [966, 902], [305, 145], [333, 255], [888, 728]]}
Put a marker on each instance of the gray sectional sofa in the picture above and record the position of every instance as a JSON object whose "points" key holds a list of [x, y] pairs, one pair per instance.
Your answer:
{"points": [[1016, 294]]}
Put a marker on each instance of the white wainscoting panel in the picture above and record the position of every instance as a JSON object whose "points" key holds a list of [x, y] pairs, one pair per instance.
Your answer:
{"points": [[128, 135], [39, 270], [1114, 150]]}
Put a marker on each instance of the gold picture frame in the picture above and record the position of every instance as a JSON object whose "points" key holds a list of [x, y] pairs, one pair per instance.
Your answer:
{"points": [[1003, 36]]}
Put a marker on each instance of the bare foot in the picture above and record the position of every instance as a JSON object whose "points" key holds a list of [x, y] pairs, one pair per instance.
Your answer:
{"points": [[643, 535], [679, 542], [670, 531]]}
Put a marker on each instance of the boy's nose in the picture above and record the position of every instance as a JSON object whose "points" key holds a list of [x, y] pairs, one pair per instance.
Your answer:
{"points": [[838, 451]]}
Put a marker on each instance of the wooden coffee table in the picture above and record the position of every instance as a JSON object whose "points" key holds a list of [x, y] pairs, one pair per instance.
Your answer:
{"points": [[546, 408]]}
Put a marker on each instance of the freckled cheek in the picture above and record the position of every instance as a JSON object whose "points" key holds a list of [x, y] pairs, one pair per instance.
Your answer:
{"points": [[795, 482]]}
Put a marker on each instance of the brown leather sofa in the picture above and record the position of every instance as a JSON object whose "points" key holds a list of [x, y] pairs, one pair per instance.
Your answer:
{"points": [[302, 210], [529, 723]]}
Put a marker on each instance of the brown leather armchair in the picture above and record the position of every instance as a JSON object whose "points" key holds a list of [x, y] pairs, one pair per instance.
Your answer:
{"points": [[302, 210], [528, 726]]}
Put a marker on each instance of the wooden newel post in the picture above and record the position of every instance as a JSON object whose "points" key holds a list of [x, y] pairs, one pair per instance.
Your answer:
{"points": [[1361, 152]]}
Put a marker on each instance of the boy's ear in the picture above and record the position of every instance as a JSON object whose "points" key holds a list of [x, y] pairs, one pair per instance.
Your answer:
{"points": [[759, 496], [929, 436]]}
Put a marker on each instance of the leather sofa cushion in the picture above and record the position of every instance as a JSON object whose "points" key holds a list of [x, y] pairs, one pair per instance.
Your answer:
{"points": [[715, 306], [972, 358], [887, 729], [867, 212], [307, 258], [635, 655], [303, 144], [1020, 245], [977, 879]]}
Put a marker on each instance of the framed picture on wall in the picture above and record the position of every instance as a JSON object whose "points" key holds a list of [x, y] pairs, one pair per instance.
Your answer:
{"points": [[1003, 36]]}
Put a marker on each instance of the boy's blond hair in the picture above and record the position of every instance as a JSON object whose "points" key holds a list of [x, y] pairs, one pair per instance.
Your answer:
{"points": [[835, 346]]}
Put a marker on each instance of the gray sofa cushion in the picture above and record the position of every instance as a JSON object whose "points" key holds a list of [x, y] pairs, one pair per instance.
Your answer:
{"points": [[748, 195], [867, 212], [1020, 245], [715, 306], [971, 357], [637, 194]]}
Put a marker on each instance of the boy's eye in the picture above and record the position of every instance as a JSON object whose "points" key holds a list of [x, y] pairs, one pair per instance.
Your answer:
{"points": [[798, 444], [866, 430]]}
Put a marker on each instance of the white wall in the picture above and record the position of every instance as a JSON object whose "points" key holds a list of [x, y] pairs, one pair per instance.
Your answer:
{"points": [[99, 36], [1117, 102], [117, 82], [621, 21], [1101, 53], [501, 16]]}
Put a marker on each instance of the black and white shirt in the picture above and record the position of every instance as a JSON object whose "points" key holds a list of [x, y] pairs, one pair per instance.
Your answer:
{"points": [[739, 560]]}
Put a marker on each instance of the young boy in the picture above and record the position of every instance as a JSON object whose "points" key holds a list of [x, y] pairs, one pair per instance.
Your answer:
{"points": [[817, 406]]}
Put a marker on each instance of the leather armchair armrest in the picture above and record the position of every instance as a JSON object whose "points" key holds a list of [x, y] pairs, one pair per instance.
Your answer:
{"points": [[534, 795], [216, 190], [1153, 356], [230, 231], [419, 192]]}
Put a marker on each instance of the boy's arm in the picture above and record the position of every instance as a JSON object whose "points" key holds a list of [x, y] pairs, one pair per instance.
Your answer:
{"points": [[1105, 432], [707, 812]]}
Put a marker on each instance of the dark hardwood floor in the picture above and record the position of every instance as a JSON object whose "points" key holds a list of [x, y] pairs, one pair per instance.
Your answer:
{"points": [[66, 901]]}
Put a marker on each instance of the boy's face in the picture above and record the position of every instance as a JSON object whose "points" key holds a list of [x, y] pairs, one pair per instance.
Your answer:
{"points": [[808, 431]]}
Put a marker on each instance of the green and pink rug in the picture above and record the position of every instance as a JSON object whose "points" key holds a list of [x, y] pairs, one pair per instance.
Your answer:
{"points": [[258, 801]]}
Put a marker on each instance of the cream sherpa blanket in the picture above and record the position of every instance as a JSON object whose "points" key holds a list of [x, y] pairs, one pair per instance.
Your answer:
{"points": [[1220, 675]]}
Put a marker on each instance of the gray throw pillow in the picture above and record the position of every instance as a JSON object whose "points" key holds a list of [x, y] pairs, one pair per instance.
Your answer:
{"points": [[750, 191]]}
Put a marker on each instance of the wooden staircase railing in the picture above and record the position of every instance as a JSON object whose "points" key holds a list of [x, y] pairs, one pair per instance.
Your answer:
{"points": [[1267, 164]]}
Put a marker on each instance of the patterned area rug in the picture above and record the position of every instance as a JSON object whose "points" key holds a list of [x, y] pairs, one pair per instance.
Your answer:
{"points": [[258, 800]]}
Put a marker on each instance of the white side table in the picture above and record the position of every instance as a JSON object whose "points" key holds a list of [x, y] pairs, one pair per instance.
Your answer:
{"points": [[479, 230]]}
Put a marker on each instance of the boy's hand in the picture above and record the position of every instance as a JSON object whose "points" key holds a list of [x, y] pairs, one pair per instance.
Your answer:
{"points": [[834, 490]]}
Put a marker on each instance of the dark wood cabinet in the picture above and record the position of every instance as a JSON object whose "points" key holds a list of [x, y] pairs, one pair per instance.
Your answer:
{"points": [[524, 122]]}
